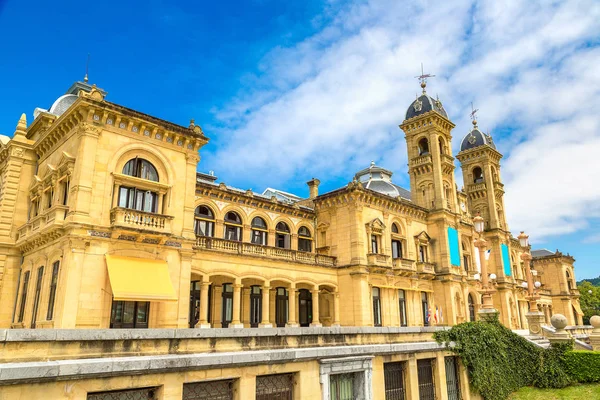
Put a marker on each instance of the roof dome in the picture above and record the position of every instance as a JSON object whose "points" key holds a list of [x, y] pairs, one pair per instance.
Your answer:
{"points": [[379, 180], [424, 104], [476, 138], [62, 104]]}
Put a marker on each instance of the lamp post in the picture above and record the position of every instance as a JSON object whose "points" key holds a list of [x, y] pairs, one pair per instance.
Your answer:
{"points": [[487, 307], [534, 316]]}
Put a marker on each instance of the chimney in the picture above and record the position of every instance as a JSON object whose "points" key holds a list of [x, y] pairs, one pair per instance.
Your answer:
{"points": [[313, 188]]}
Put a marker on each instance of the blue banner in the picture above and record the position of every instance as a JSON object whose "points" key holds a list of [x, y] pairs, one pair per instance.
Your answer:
{"points": [[505, 259], [454, 247]]}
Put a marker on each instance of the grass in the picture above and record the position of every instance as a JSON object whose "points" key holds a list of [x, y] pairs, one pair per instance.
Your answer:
{"points": [[587, 392]]}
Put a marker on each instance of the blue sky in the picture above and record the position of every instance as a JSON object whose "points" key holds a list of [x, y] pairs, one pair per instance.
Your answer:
{"points": [[292, 90]]}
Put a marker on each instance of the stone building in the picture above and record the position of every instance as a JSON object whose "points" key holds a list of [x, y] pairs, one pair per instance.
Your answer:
{"points": [[123, 268]]}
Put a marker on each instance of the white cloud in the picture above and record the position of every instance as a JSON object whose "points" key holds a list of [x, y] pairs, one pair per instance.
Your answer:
{"points": [[331, 103]]}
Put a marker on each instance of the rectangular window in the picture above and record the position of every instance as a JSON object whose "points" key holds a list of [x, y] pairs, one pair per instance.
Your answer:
{"points": [[24, 296], [341, 387], [275, 387], [394, 380], [396, 249], [425, 377], [52, 295], [129, 314], [376, 306], [452, 382], [233, 232], [65, 197], [425, 305], [423, 253], [374, 244], [36, 298], [402, 301], [127, 394], [210, 390], [140, 200], [16, 296], [259, 237], [305, 245], [204, 228]]}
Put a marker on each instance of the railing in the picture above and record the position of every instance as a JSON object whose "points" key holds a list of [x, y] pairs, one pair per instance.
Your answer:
{"points": [[49, 217], [476, 186], [425, 268], [126, 218], [250, 249], [448, 159], [404, 264], [544, 292], [426, 159], [378, 259]]}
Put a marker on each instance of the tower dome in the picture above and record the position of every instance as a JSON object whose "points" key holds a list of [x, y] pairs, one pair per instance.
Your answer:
{"points": [[423, 104], [476, 138], [62, 104]]}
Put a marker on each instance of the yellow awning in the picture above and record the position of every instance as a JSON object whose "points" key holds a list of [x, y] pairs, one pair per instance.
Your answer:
{"points": [[139, 279], [577, 308]]}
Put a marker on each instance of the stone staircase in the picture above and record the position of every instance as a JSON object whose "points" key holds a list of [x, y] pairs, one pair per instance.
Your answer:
{"points": [[539, 341]]}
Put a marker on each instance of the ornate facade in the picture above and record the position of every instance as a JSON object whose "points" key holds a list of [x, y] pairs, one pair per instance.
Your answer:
{"points": [[106, 224]]}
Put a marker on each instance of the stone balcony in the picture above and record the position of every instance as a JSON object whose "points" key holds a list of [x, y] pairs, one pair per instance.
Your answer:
{"points": [[140, 220], [421, 160], [256, 250], [404, 267], [379, 260], [49, 219], [426, 270]]}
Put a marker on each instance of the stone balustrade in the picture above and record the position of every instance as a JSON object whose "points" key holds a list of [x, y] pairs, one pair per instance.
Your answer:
{"points": [[51, 217], [140, 220], [250, 249], [426, 159], [380, 260]]}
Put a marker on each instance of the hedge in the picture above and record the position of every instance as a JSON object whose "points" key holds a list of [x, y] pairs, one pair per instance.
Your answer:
{"points": [[583, 366]]}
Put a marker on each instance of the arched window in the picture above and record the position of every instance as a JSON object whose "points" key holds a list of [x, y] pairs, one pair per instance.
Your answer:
{"points": [[135, 198], [233, 226], [395, 228], [569, 283], [282, 235], [304, 239], [259, 231], [423, 147], [204, 221], [375, 292], [140, 168], [477, 175]]}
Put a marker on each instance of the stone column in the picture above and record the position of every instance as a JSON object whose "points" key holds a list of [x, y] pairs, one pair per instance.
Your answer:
{"points": [[235, 320], [315, 304], [336, 309], [412, 379], [265, 321], [203, 320], [292, 321], [441, 390]]}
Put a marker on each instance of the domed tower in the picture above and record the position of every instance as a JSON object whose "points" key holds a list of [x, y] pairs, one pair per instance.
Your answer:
{"points": [[480, 163], [430, 162]]}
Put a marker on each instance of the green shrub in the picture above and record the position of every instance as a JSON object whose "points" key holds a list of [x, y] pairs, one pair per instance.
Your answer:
{"points": [[583, 366], [500, 362]]}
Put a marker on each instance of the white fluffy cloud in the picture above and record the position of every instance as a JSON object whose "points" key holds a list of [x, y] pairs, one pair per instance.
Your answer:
{"points": [[332, 103]]}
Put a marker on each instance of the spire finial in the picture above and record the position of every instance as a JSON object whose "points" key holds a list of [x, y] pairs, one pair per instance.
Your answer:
{"points": [[87, 67], [21, 126], [423, 78], [473, 112]]}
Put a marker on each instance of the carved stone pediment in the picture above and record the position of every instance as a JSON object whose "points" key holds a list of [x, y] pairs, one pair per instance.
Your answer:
{"points": [[375, 226]]}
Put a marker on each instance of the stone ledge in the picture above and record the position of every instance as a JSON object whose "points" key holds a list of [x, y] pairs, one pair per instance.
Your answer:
{"points": [[26, 372], [45, 335]]}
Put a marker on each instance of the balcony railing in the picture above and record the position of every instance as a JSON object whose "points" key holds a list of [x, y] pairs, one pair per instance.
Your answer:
{"points": [[250, 249], [381, 260], [50, 217], [474, 187], [425, 268], [426, 159], [404, 266], [134, 219]]}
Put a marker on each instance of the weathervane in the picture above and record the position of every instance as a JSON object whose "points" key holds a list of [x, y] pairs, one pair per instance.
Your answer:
{"points": [[473, 117], [423, 78]]}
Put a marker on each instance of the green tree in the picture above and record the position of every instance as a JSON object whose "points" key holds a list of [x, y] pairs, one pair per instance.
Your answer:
{"points": [[590, 302]]}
